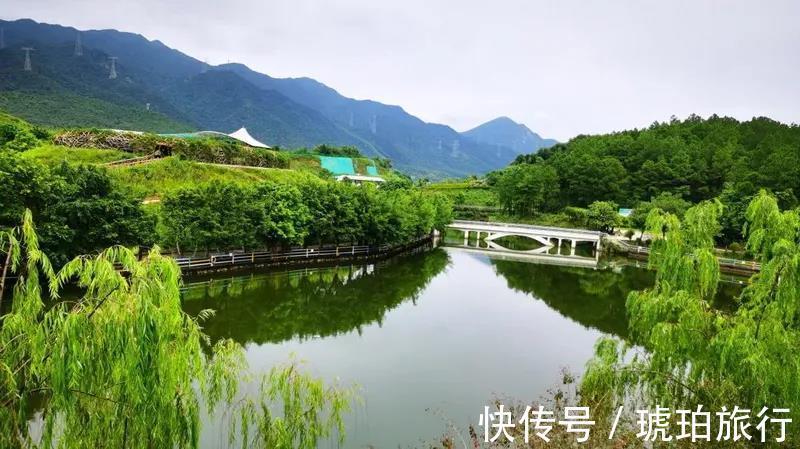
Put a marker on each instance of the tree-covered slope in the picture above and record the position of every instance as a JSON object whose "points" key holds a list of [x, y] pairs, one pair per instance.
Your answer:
{"points": [[695, 158], [184, 92], [64, 90], [222, 100], [673, 162], [420, 147]]}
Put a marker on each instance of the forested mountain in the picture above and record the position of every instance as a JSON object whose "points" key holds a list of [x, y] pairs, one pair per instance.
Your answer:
{"points": [[162, 89], [388, 130], [505, 132], [693, 160]]}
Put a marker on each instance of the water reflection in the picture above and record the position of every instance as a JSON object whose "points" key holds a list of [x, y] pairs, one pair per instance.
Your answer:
{"points": [[427, 337], [272, 307]]}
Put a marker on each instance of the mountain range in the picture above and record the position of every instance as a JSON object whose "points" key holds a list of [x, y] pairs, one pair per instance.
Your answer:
{"points": [[160, 89], [508, 133]]}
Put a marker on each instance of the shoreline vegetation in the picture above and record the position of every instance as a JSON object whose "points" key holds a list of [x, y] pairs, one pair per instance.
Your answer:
{"points": [[693, 185], [179, 202]]}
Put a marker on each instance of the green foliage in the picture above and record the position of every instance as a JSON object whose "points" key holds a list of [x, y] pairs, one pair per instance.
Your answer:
{"points": [[665, 201], [330, 150], [527, 189], [200, 149], [603, 216], [692, 159], [224, 215], [577, 215], [227, 152], [124, 365], [56, 154], [65, 109], [77, 208], [274, 307], [23, 141], [229, 215], [167, 175], [744, 356]]}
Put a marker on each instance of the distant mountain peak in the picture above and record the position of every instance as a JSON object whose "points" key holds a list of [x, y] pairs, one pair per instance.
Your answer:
{"points": [[188, 93], [504, 131]]}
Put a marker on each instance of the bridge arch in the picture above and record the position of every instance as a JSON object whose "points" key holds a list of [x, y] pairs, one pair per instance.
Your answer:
{"points": [[542, 234]]}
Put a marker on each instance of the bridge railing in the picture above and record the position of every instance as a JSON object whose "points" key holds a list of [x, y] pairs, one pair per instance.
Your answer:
{"points": [[751, 265], [525, 226], [219, 260]]}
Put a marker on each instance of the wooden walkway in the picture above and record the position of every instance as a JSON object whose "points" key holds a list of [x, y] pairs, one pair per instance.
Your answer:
{"points": [[725, 263], [294, 256]]}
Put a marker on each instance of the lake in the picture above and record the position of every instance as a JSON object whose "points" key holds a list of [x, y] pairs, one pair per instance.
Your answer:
{"points": [[429, 338]]}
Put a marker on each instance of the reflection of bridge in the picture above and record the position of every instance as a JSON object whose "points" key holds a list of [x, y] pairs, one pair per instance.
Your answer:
{"points": [[543, 234], [494, 251]]}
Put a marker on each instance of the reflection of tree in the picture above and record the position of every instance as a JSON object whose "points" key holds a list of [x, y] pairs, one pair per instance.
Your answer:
{"points": [[309, 303], [593, 298]]}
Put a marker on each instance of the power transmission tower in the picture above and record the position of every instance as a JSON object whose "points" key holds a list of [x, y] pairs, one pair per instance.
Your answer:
{"points": [[113, 74], [27, 51], [78, 45], [2, 38]]}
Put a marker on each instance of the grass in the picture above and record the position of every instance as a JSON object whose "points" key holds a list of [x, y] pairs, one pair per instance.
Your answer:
{"points": [[8, 119], [155, 179], [55, 154]]}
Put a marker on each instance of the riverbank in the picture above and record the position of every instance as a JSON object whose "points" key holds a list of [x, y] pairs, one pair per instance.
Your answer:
{"points": [[295, 257], [728, 265]]}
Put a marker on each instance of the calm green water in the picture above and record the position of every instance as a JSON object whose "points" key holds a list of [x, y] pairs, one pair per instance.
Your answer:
{"points": [[428, 338]]}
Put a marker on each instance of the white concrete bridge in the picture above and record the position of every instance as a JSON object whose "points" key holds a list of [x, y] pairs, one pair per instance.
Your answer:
{"points": [[546, 235]]}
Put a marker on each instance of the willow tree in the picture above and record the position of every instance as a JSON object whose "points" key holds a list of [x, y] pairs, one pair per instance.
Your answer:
{"points": [[124, 366], [694, 354]]}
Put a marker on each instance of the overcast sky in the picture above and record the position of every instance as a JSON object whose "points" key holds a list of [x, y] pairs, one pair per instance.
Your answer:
{"points": [[561, 67]]}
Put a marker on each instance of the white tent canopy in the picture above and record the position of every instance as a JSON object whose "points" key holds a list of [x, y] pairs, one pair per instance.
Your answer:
{"points": [[243, 136]]}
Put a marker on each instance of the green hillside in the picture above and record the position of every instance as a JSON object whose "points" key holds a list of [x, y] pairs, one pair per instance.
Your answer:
{"points": [[63, 109], [55, 154], [155, 179], [160, 89], [194, 159]]}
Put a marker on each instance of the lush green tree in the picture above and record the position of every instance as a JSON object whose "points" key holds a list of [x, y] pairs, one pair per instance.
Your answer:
{"points": [[586, 178], [345, 151], [743, 359], [23, 140], [527, 189], [78, 208], [284, 216], [228, 215], [216, 215], [124, 366], [603, 216], [692, 158], [665, 201]]}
